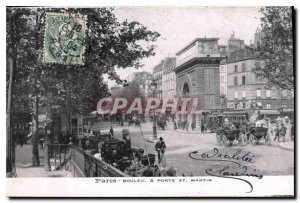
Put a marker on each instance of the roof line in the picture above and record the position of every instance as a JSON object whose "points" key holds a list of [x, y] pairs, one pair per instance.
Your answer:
{"points": [[193, 41]]}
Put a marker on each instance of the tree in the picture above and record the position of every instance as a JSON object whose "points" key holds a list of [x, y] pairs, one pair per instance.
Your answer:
{"points": [[130, 91], [13, 36], [274, 52], [109, 44]]}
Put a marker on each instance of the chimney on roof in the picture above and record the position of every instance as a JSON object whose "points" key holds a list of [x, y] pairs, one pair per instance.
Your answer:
{"points": [[232, 35]]}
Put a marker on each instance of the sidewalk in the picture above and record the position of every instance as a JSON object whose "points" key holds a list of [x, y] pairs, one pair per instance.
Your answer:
{"points": [[24, 167], [289, 145], [29, 171]]}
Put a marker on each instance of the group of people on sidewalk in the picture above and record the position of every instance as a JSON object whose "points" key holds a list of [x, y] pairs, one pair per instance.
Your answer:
{"points": [[186, 125]]}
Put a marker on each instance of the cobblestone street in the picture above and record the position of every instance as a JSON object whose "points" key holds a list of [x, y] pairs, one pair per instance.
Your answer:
{"points": [[276, 159]]}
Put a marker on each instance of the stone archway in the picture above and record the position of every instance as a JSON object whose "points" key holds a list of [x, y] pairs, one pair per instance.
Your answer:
{"points": [[186, 86], [185, 90]]}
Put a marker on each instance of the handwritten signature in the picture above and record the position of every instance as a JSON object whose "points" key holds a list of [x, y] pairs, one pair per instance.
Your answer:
{"points": [[216, 155], [236, 157]]}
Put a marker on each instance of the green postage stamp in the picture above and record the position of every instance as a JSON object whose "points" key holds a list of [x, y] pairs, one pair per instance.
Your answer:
{"points": [[64, 38]]}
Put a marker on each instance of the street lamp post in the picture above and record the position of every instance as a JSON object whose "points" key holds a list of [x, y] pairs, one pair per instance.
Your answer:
{"points": [[153, 87]]}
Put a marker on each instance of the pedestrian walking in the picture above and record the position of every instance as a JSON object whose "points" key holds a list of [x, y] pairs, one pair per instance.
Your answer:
{"points": [[160, 148], [292, 131], [243, 129], [282, 131], [175, 126], [187, 125], [41, 141], [276, 131], [83, 143], [202, 127], [111, 131], [193, 125], [269, 132], [70, 141], [99, 146]]}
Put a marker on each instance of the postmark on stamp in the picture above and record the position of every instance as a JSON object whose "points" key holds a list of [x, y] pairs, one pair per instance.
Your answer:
{"points": [[64, 38]]}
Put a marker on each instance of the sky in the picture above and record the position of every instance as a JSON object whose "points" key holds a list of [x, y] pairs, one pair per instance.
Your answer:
{"points": [[180, 25]]}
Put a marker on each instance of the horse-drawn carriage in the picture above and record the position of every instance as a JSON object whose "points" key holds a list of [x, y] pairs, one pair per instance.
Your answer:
{"points": [[226, 137], [243, 131], [254, 135], [258, 133]]}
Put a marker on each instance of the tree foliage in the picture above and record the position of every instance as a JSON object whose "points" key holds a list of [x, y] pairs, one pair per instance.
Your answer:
{"points": [[275, 50], [109, 45], [130, 91]]}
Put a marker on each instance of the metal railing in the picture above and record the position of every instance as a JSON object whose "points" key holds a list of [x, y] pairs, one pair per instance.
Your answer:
{"points": [[58, 155], [81, 163]]}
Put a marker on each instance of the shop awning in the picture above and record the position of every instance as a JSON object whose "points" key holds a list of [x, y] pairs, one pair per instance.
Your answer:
{"points": [[269, 112], [288, 110]]}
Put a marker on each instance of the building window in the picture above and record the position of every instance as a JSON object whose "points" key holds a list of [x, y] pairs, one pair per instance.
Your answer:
{"points": [[284, 94], [235, 68], [235, 81], [292, 93], [244, 94], [244, 67], [258, 92], [244, 80], [244, 105], [211, 46], [268, 93], [283, 105], [236, 95], [268, 106]]}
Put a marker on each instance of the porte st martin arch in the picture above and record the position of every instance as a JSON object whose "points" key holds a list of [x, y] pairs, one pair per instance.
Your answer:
{"points": [[197, 76]]}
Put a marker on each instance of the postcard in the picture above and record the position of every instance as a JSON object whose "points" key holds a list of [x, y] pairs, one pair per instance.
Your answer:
{"points": [[150, 101]]}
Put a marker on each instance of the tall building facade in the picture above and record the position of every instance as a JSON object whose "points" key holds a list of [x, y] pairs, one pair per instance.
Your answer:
{"points": [[169, 79], [198, 76], [223, 78], [157, 78], [245, 91]]}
